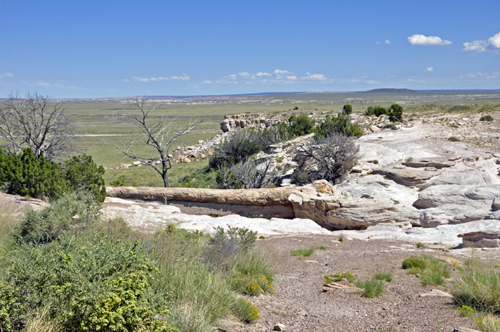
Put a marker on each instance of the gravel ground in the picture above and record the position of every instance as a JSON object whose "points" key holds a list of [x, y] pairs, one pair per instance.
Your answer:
{"points": [[301, 305]]}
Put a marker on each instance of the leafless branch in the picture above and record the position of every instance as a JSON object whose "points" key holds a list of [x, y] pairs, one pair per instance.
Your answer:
{"points": [[38, 123], [160, 135]]}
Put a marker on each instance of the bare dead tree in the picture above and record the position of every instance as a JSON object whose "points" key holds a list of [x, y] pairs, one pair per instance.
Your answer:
{"points": [[36, 122], [159, 134], [329, 158]]}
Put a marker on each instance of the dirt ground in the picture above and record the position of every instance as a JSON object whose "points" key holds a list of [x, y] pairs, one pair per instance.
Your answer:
{"points": [[300, 303]]}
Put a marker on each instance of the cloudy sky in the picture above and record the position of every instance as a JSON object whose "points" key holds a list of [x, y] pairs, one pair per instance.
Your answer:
{"points": [[128, 48]]}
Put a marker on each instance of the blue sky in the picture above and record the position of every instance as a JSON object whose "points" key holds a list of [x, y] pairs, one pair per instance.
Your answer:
{"points": [[107, 48]]}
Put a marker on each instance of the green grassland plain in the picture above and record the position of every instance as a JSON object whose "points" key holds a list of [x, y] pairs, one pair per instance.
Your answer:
{"points": [[100, 124]]}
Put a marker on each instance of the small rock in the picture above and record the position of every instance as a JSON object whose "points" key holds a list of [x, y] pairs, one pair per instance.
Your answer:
{"points": [[464, 329], [436, 292], [279, 327]]}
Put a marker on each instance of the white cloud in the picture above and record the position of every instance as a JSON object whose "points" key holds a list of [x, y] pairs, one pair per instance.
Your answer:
{"points": [[244, 74], [387, 41], [232, 77], [207, 82], [260, 74], [182, 78], [492, 44], [422, 40], [281, 72], [141, 79], [430, 69], [315, 77], [3, 75], [159, 78], [43, 84], [292, 77], [487, 76], [125, 80], [378, 42]]}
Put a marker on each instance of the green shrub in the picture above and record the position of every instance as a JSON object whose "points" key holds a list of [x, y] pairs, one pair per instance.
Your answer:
{"points": [[386, 276], [432, 277], [246, 311], [86, 286], [119, 182], [478, 287], [414, 262], [252, 265], [372, 288], [300, 125], [486, 118], [28, 176], [378, 111], [370, 111], [341, 124], [67, 215], [347, 110], [459, 108], [430, 269], [84, 176], [395, 113], [251, 285], [453, 139], [306, 252]]}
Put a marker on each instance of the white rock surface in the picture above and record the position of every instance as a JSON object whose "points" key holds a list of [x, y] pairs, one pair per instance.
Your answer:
{"points": [[152, 216], [444, 234]]}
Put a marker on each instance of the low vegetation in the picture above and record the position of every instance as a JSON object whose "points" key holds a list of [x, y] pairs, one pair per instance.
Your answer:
{"points": [[26, 175], [395, 112], [372, 288], [430, 270], [307, 252], [64, 268], [477, 294]]}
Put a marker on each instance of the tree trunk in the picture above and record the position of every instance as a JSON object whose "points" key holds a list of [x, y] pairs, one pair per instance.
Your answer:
{"points": [[164, 174]]}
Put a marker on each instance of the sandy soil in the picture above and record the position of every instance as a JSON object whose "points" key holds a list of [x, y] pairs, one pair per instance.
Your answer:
{"points": [[301, 304]]}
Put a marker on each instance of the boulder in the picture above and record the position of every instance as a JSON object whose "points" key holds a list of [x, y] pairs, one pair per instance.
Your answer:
{"points": [[474, 177], [430, 162], [489, 238], [407, 177], [457, 204]]}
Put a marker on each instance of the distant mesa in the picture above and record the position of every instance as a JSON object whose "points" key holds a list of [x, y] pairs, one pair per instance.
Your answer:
{"points": [[388, 90]]}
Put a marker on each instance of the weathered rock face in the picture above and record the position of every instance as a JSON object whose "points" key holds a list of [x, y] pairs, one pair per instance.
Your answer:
{"points": [[457, 204], [407, 177], [488, 238]]}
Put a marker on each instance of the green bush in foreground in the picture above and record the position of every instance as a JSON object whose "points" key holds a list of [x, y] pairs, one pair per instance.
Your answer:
{"points": [[429, 268], [386, 276], [67, 215], [372, 288], [478, 288], [85, 287], [248, 312]]}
